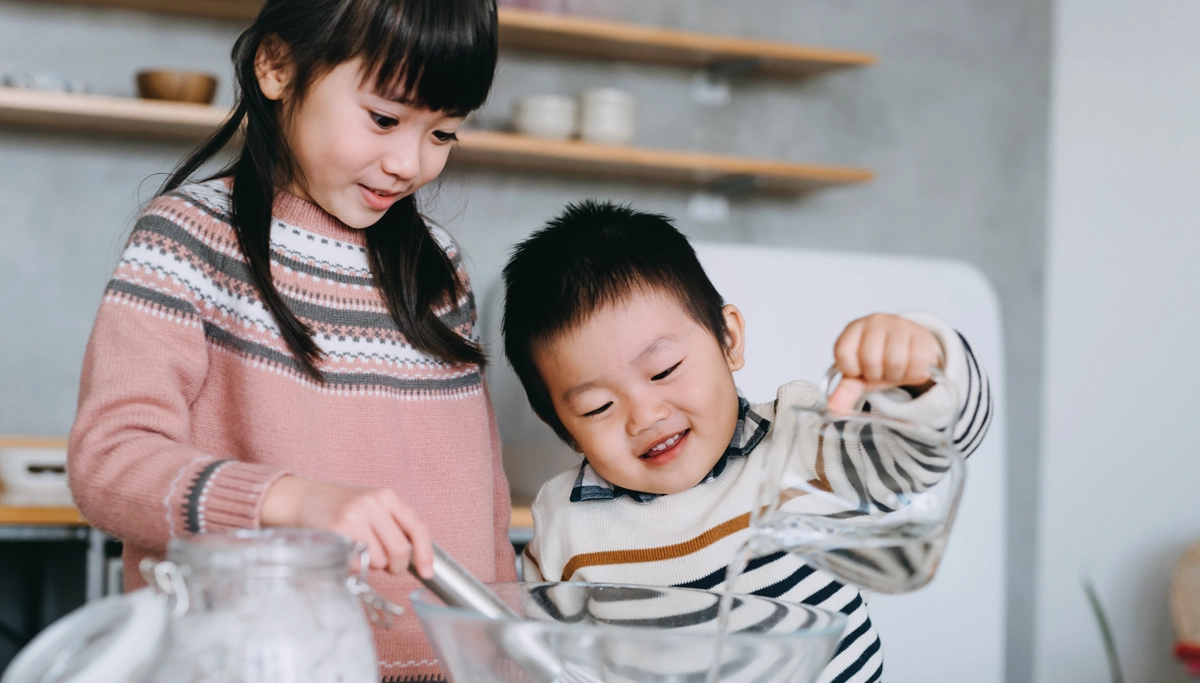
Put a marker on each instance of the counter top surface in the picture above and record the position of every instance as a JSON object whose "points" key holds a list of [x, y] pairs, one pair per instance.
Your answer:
{"points": [[23, 512], [55, 508]]}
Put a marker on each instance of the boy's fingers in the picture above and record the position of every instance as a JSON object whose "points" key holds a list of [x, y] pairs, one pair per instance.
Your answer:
{"points": [[897, 354], [870, 355], [845, 350], [846, 396]]}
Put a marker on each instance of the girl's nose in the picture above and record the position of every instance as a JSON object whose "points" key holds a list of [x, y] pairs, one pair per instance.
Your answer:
{"points": [[646, 410], [403, 158]]}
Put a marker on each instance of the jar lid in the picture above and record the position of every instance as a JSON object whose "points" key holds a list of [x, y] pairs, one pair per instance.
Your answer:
{"points": [[106, 641], [254, 551]]}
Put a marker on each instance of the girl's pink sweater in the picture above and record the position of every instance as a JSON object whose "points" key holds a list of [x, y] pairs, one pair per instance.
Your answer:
{"points": [[191, 406]]}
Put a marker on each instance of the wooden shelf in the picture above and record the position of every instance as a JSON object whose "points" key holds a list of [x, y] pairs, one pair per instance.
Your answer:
{"points": [[91, 113], [586, 37], [667, 166], [573, 35], [239, 10]]}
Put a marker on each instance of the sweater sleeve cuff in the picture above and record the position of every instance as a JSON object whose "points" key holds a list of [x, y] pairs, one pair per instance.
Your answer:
{"points": [[227, 494]]}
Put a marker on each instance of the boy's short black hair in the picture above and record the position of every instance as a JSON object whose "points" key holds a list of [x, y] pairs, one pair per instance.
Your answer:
{"points": [[591, 255]]}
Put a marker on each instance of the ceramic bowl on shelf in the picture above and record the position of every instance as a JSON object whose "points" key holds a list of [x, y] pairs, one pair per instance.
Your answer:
{"points": [[178, 86], [47, 81]]}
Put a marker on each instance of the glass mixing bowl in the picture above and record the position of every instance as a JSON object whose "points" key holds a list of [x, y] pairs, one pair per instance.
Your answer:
{"points": [[580, 632]]}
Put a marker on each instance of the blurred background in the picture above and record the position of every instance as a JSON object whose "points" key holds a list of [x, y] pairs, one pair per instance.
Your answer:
{"points": [[1051, 145]]}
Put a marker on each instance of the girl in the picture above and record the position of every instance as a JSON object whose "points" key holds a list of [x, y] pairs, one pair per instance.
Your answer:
{"points": [[289, 343]]}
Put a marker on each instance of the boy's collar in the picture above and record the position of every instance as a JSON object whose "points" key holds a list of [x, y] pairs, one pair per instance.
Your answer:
{"points": [[750, 429]]}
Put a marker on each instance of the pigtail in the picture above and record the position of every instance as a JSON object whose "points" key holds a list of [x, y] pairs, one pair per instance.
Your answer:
{"points": [[251, 201], [415, 277]]}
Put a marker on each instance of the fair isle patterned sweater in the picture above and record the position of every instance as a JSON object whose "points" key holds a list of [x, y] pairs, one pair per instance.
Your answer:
{"points": [[587, 529], [191, 405]]}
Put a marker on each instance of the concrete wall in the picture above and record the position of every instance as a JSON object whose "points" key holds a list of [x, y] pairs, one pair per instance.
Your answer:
{"points": [[953, 119], [1119, 460]]}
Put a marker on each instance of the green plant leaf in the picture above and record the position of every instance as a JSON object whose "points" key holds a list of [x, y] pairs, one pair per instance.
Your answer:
{"points": [[1110, 645]]}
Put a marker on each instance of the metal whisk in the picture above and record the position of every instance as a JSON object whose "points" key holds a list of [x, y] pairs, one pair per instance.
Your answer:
{"points": [[457, 587]]}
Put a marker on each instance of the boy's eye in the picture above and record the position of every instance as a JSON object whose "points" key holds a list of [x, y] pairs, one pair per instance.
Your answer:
{"points": [[445, 136], [383, 121], [601, 409], [664, 373]]}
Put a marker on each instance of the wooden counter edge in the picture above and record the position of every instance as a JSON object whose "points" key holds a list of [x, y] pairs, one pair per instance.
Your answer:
{"points": [[522, 518]]}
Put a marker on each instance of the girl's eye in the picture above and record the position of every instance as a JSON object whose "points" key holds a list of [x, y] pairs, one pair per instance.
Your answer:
{"points": [[601, 409], [664, 373], [383, 121], [445, 136]]}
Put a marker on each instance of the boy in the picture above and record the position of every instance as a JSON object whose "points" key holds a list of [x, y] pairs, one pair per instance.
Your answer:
{"points": [[627, 351]]}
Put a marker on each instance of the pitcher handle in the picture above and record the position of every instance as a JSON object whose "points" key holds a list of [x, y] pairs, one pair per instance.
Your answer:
{"points": [[833, 377]]}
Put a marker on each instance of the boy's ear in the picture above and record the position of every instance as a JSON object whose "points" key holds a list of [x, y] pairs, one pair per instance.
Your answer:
{"points": [[274, 68], [735, 337]]}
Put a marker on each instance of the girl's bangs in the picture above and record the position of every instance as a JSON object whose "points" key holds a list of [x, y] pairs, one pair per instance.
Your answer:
{"points": [[432, 54]]}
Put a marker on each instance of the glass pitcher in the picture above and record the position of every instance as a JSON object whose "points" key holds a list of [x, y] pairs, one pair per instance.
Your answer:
{"points": [[868, 498]]}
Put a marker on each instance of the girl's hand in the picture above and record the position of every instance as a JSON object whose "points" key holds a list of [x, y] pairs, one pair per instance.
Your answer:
{"points": [[391, 530], [881, 351]]}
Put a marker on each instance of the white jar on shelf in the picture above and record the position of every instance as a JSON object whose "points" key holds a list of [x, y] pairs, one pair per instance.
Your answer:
{"points": [[607, 116], [550, 117]]}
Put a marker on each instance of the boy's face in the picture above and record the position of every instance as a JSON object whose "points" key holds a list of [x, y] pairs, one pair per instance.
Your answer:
{"points": [[646, 392]]}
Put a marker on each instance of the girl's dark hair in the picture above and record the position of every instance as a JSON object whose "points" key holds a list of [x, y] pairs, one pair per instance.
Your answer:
{"points": [[595, 254], [439, 55]]}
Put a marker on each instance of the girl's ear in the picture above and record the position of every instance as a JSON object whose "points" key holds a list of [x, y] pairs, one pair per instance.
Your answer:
{"points": [[735, 337], [273, 67]]}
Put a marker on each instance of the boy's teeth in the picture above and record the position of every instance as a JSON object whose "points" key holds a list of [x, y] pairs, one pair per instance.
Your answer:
{"points": [[665, 445]]}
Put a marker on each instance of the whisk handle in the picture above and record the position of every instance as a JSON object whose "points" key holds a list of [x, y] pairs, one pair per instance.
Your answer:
{"points": [[457, 587]]}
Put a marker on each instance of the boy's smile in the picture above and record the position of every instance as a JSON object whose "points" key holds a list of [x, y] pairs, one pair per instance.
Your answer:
{"points": [[645, 391]]}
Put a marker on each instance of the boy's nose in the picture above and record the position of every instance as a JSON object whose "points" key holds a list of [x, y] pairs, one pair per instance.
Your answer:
{"points": [[645, 412]]}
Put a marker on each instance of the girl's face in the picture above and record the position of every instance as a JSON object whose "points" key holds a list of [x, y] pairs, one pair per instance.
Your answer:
{"points": [[359, 152]]}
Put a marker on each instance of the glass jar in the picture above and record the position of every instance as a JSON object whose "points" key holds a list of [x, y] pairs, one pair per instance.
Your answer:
{"points": [[264, 606], [247, 606]]}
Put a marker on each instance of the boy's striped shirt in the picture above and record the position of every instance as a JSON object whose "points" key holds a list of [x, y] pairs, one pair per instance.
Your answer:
{"points": [[687, 539]]}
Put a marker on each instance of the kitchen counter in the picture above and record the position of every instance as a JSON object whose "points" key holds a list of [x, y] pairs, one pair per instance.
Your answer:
{"points": [[40, 515], [522, 518], [23, 522]]}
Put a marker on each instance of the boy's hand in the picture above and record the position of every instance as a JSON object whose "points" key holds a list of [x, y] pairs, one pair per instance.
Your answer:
{"points": [[392, 531], [878, 352]]}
